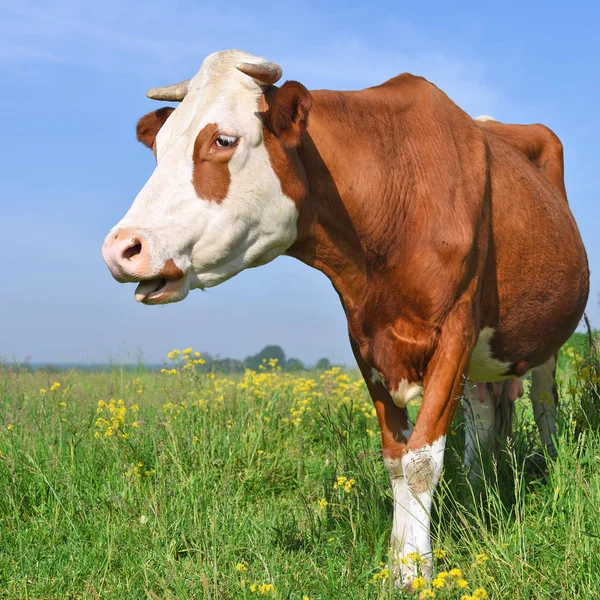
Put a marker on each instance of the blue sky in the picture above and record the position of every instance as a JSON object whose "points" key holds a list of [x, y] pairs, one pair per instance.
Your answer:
{"points": [[73, 76]]}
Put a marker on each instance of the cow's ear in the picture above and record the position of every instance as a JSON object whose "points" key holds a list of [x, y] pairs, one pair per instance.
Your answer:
{"points": [[289, 106], [149, 125]]}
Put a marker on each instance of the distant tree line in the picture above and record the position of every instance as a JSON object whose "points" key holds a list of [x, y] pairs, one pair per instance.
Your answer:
{"points": [[265, 358]]}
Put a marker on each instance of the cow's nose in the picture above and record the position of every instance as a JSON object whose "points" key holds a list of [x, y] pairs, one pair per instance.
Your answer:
{"points": [[126, 255]]}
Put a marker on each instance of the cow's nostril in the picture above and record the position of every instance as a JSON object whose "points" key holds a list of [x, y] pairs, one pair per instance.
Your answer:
{"points": [[132, 251]]}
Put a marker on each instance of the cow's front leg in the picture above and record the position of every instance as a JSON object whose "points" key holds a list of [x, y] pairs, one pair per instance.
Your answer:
{"points": [[396, 430], [416, 470]]}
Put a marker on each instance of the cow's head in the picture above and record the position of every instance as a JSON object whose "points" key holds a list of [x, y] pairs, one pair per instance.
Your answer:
{"points": [[218, 201]]}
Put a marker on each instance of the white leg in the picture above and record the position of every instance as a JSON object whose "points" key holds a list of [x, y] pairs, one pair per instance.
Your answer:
{"points": [[414, 479], [544, 401], [479, 425]]}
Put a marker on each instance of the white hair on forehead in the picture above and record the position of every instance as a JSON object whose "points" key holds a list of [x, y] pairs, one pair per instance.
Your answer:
{"points": [[223, 64]]}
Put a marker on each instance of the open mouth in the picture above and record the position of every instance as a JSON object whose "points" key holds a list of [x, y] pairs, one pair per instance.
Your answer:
{"points": [[161, 290]]}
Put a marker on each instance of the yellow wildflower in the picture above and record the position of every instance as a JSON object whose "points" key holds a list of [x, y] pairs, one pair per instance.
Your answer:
{"points": [[426, 594], [323, 503], [266, 588], [462, 583], [54, 386], [42, 391], [414, 557], [455, 573], [383, 574], [419, 583], [466, 597], [241, 567], [438, 582], [340, 482], [187, 351], [349, 485], [439, 553], [480, 594], [481, 558], [10, 427]]}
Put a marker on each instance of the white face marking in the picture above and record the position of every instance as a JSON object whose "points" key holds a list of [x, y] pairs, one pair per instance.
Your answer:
{"points": [[414, 479], [479, 427], [254, 223], [406, 392], [483, 367]]}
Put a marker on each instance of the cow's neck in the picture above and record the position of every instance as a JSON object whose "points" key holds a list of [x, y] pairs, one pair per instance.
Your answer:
{"points": [[329, 243], [327, 237], [340, 221]]}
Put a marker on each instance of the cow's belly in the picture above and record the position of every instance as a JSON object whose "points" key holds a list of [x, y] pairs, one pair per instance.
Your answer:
{"points": [[483, 367]]}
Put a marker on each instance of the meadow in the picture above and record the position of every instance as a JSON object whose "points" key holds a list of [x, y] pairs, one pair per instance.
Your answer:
{"points": [[190, 484]]}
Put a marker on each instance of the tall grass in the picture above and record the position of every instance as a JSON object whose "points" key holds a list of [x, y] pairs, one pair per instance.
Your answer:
{"points": [[191, 485]]}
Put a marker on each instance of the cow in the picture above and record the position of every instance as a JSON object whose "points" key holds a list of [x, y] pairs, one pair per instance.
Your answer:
{"points": [[451, 254]]}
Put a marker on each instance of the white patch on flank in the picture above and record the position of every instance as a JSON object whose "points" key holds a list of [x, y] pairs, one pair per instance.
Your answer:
{"points": [[254, 223], [414, 479], [406, 392], [483, 367], [544, 402], [484, 118], [479, 427]]}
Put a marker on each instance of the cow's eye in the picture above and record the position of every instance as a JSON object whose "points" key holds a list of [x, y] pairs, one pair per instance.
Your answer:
{"points": [[226, 141]]}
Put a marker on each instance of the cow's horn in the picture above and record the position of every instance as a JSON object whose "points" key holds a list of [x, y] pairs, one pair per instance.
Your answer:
{"points": [[265, 73], [171, 93]]}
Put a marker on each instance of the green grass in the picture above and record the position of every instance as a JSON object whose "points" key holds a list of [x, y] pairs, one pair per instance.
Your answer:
{"points": [[232, 471]]}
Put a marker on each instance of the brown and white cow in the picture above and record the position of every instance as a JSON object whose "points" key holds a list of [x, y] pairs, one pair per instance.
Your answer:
{"points": [[451, 253]]}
